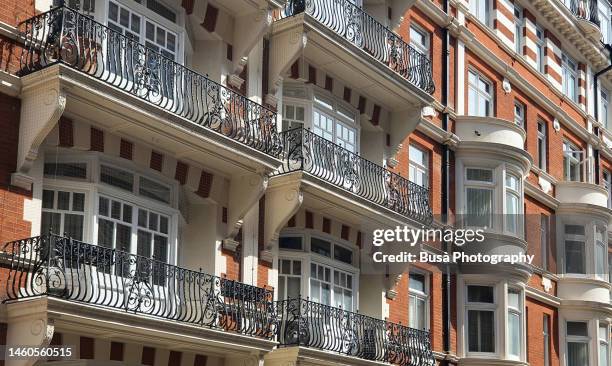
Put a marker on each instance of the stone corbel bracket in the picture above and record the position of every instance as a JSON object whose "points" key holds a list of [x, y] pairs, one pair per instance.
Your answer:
{"points": [[403, 123], [285, 48], [244, 192], [42, 105], [248, 30], [283, 199], [28, 325]]}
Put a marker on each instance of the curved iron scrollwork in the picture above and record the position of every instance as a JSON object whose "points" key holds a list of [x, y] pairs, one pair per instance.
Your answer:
{"points": [[63, 35], [303, 150], [359, 28], [60, 267], [585, 9], [309, 324]]}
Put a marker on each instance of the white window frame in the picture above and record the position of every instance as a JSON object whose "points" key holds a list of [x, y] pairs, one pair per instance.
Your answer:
{"points": [[519, 313], [604, 116], [604, 342], [480, 95], [478, 306], [519, 23], [422, 48], [570, 72], [415, 169], [316, 99], [542, 145], [415, 296], [481, 9], [482, 185], [577, 339], [62, 212], [607, 184], [572, 156], [600, 252], [516, 194], [307, 257], [540, 47], [546, 327], [575, 238], [519, 114]]}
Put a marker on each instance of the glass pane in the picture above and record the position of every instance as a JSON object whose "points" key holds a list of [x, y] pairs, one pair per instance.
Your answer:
{"points": [[293, 287], [153, 221], [78, 202], [117, 178], [154, 190], [577, 354], [479, 207], [142, 218], [50, 222], [103, 206], [127, 213], [105, 233], [320, 246], [63, 200], [285, 267], [297, 268], [574, 257], [483, 294], [514, 334], [480, 175], [290, 242], [579, 329], [163, 224], [116, 210], [574, 229], [144, 244], [123, 239], [417, 282], [73, 226], [481, 337], [343, 255], [47, 199], [514, 299], [281, 288]]}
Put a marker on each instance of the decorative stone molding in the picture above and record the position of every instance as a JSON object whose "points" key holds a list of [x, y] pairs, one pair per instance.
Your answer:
{"points": [[28, 325], [248, 30], [283, 199], [391, 284], [42, 105], [230, 244], [403, 123], [285, 48], [235, 81]]}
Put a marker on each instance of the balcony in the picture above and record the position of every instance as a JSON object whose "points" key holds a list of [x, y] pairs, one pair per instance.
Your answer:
{"points": [[305, 323], [128, 71], [320, 158], [586, 12], [575, 193], [59, 267]]}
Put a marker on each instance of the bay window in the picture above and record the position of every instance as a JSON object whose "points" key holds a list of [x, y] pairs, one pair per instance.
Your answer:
{"points": [[480, 313], [480, 95], [514, 323], [311, 265], [572, 162], [479, 188], [577, 336], [325, 115], [575, 260], [419, 166], [417, 301]]}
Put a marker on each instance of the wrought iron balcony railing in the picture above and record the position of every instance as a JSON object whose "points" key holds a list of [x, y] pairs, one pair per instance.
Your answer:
{"points": [[359, 28], [309, 324], [63, 268], [305, 151], [63, 35], [584, 9]]}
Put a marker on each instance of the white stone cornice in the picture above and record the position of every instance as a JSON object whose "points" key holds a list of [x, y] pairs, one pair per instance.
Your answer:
{"points": [[538, 194]]}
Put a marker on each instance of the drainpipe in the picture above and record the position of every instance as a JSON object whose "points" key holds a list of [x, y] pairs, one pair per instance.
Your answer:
{"points": [[596, 107], [446, 156]]}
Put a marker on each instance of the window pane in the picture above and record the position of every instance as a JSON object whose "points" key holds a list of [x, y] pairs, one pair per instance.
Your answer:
{"points": [[68, 170], [154, 190], [480, 175], [481, 337], [47, 199], [290, 242], [577, 354], [574, 257], [574, 229], [105, 233], [320, 246], [343, 255], [293, 287], [117, 178], [579, 329], [483, 294], [78, 202], [73, 226], [514, 299], [63, 200], [50, 222], [514, 334], [479, 207], [417, 282]]}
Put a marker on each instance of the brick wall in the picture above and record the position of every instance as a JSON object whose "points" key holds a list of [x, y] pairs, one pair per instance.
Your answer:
{"points": [[535, 339]]}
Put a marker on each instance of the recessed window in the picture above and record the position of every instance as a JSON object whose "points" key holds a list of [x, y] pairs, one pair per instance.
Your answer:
{"points": [[480, 95], [519, 114], [417, 301], [480, 308], [570, 78], [572, 162], [577, 343], [546, 338], [419, 40], [481, 9], [542, 145], [419, 166], [540, 47], [544, 237], [518, 28]]}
